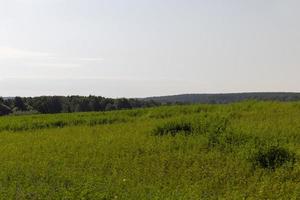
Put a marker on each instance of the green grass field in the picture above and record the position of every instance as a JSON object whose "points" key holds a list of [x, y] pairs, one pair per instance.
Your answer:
{"points": [[246, 150]]}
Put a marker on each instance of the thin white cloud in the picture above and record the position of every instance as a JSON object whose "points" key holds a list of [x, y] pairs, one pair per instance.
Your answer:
{"points": [[17, 59], [91, 59], [8, 53], [14, 53], [57, 65]]}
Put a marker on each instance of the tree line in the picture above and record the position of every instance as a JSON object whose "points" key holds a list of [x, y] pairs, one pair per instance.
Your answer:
{"points": [[62, 104], [227, 98]]}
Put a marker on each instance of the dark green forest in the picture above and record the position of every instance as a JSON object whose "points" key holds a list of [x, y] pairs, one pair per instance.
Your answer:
{"points": [[69, 104]]}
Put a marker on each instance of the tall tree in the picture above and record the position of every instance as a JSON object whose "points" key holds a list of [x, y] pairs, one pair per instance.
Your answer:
{"points": [[19, 103], [4, 110]]}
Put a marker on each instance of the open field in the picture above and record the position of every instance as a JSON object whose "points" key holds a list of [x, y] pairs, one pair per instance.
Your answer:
{"points": [[246, 150]]}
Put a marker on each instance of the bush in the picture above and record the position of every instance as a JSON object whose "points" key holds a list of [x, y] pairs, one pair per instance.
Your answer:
{"points": [[273, 157], [173, 128]]}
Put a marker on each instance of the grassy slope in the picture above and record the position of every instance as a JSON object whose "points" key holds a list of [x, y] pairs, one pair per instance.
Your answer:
{"points": [[114, 155]]}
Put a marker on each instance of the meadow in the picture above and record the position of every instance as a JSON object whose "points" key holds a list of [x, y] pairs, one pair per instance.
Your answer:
{"points": [[247, 150]]}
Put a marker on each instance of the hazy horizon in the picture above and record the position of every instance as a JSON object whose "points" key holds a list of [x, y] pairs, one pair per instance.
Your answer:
{"points": [[141, 48]]}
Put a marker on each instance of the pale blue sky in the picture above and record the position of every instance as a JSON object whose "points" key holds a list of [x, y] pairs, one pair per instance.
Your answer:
{"points": [[136, 48]]}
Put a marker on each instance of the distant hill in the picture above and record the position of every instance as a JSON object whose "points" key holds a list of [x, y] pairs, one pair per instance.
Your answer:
{"points": [[226, 98]]}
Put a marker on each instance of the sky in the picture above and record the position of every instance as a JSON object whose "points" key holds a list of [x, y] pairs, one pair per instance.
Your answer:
{"points": [[139, 48]]}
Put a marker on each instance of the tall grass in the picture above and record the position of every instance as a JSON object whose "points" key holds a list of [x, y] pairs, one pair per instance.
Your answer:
{"points": [[115, 155]]}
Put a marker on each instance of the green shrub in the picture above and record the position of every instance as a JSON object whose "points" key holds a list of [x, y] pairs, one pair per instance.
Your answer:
{"points": [[173, 128], [273, 157], [217, 127]]}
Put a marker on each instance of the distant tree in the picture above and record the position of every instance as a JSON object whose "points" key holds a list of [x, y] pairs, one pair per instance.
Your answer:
{"points": [[48, 104], [55, 105], [122, 104], [109, 107], [58, 104], [95, 103], [18, 102], [84, 105], [66, 105], [4, 110], [9, 103]]}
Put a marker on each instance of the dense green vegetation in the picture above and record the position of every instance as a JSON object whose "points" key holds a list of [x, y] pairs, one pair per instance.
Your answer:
{"points": [[69, 104], [246, 150]]}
